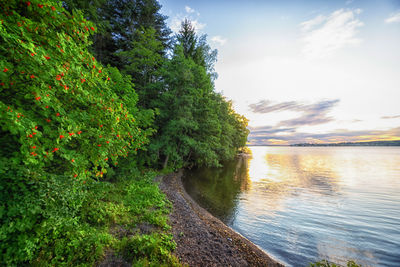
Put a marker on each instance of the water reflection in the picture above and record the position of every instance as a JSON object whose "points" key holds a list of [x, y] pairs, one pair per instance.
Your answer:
{"points": [[305, 204], [217, 189]]}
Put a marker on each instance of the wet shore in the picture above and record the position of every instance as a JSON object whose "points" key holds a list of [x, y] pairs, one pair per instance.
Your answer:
{"points": [[202, 239]]}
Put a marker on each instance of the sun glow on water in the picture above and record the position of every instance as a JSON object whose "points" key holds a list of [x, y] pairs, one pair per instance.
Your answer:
{"points": [[303, 204]]}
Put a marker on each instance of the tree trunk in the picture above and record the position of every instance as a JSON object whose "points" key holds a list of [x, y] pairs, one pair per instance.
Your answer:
{"points": [[165, 162]]}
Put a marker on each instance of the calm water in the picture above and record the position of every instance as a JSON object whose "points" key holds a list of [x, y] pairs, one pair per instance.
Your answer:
{"points": [[303, 204]]}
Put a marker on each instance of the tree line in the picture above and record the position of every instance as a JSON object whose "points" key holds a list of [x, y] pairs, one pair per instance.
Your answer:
{"points": [[173, 76], [89, 89]]}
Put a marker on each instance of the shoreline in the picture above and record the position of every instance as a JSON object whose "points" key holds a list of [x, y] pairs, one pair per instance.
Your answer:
{"points": [[202, 239]]}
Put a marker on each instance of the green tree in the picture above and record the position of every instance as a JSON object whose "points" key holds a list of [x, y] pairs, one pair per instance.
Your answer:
{"points": [[195, 126], [196, 47], [121, 20], [143, 63]]}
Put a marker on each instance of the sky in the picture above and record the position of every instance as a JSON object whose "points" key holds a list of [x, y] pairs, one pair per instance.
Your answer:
{"points": [[304, 71]]}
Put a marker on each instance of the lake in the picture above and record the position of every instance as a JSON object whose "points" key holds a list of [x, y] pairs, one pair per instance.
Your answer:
{"points": [[304, 204]]}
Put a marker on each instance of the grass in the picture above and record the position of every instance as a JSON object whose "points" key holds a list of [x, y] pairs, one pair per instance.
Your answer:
{"points": [[134, 212], [124, 219]]}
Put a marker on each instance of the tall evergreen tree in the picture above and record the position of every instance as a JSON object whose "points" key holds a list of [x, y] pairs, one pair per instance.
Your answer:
{"points": [[196, 47], [121, 20], [196, 126], [143, 63]]}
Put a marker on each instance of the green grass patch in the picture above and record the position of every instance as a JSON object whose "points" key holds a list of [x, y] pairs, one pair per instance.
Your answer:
{"points": [[63, 225]]}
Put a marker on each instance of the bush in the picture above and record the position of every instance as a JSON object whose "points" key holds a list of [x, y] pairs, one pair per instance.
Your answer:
{"points": [[57, 108], [64, 121]]}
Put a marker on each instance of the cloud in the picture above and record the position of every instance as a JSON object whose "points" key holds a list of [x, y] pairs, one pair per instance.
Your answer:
{"points": [[312, 114], [323, 35], [191, 15], [293, 137], [258, 131], [391, 117], [189, 10], [308, 25], [348, 2], [287, 131], [264, 106], [218, 40], [393, 18], [198, 25]]}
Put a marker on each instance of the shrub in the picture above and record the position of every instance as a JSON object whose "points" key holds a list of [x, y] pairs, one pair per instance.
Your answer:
{"points": [[57, 108], [63, 122]]}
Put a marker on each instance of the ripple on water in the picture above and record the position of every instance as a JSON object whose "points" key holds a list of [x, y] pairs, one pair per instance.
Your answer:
{"points": [[306, 204]]}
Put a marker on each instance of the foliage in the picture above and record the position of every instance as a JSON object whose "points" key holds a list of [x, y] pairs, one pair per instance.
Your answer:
{"points": [[64, 119], [67, 122], [120, 21], [196, 125], [143, 63], [196, 47], [136, 202], [57, 102]]}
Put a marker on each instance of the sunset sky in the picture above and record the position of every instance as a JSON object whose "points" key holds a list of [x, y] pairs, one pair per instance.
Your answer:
{"points": [[305, 71]]}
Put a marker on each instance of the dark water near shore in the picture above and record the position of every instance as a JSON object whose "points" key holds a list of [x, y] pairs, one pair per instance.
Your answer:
{"points": [[303, 204]]}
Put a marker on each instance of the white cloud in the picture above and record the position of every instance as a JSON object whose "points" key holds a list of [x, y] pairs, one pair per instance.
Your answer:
{"points": [[198, 25], [393, 18], [325, 34], [348, 2], [307, 25], [218, 40], [191, 15], [189, 9]]}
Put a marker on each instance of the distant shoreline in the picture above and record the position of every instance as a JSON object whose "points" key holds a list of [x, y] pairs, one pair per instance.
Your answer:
{"points": [[371, 143]]}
